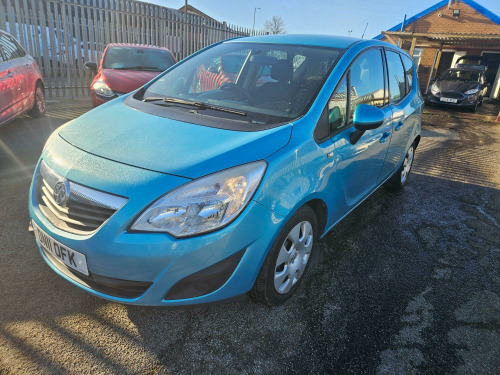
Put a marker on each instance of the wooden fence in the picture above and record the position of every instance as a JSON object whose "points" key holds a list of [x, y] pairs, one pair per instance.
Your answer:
{"points": [[63, 34]]}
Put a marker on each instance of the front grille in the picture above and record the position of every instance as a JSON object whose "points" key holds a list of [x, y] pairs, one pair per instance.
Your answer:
{"points": [[452, 95], [82, 211]]}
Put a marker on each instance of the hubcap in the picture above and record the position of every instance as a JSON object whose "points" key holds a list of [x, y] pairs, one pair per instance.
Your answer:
{"points": [[40, 99], [293, 257], [407, 164]]}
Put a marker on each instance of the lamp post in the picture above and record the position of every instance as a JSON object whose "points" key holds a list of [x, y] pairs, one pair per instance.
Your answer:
{"points": [[253, 27]]}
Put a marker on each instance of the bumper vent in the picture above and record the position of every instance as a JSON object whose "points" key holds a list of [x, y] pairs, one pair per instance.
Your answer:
{"points": [[74, 208]]}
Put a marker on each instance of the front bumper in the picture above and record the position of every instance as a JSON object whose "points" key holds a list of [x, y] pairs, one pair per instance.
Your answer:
{"points": [[154, 261], [467, 101]]}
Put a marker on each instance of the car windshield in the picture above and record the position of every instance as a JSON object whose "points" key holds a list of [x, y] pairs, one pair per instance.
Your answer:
{"points": [[268, 82], [134, 58], [460, 75]]}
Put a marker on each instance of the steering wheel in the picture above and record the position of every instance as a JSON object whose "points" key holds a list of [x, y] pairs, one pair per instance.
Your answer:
{"points": [[231, 86]]}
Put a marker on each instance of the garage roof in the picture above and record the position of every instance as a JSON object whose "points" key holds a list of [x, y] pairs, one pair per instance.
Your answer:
{"points": [[479, 8]]}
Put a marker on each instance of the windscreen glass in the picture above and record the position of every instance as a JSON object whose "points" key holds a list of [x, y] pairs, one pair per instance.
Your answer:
{"points": [[130, 58], [267, 82], [460, 75]]}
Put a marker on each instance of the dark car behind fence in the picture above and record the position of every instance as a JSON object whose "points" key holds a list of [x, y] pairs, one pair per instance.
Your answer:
{"points": [[63, 34]]}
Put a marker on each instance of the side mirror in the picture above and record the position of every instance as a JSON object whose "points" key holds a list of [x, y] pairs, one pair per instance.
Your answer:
{"points": [[367, 117], [91, 65]]}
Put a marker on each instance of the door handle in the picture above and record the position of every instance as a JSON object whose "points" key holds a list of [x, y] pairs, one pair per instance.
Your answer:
{"points": [[399, 126], [385, 136], [10, 74]]}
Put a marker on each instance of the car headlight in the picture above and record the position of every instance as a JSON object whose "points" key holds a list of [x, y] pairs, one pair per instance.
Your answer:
{"points": [[470, 92], [102, 89], [205, 204], [434, 89]]}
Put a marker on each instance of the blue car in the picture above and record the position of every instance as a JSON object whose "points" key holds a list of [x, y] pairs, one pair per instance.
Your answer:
{"points": [[218, 177]]}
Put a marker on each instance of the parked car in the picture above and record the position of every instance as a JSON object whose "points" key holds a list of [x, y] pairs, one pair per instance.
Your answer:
{"points": [[459, 87], [463, 86], [125, 68], [52, 46], [21, 84], [173, 195]]}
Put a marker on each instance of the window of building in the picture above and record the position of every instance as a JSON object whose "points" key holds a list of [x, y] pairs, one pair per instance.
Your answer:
{"points": [[417, 55]]}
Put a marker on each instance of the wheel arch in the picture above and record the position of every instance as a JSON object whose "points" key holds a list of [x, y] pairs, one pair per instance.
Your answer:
{"points": [[417, 140], [39, 81], [321, 210]]}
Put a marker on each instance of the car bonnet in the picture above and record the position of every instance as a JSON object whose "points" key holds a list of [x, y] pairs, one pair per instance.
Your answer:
{"points": [[117, 132]]}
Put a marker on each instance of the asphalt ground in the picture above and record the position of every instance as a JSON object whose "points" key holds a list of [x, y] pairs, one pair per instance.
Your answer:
{"points": [[408, 283]]}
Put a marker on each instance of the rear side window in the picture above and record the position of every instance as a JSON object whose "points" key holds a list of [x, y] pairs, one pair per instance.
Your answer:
{"points": [[397, 84], [11, 49], [367, 80], [408, 64]]}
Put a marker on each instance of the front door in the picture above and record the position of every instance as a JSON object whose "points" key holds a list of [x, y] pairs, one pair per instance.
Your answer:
{"points": [[358, 164]]}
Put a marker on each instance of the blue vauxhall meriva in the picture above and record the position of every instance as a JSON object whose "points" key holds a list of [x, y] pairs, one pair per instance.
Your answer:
{"points": [[218, 177]]}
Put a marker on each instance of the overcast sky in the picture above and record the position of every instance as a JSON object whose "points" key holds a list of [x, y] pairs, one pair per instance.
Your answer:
{"points": [[335, 17]]}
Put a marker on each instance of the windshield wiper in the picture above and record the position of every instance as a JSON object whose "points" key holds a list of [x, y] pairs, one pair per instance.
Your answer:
{"points": [[140, 67], [199, 105]]}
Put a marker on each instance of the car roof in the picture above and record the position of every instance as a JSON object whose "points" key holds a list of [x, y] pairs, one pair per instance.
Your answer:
{"points": [[135, 46], [302, 39]]}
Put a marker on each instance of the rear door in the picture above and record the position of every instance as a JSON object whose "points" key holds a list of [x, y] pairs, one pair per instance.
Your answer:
{"points": [[9, 92], [17, 71], [357, 165], [6, 92], [406, 106]]}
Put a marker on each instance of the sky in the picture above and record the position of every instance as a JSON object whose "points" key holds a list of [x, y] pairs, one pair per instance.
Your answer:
{"points": [[336, 17]]}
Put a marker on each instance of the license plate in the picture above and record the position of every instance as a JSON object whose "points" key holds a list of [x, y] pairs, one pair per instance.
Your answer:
{"points": [[448, 100], [61, 253]]}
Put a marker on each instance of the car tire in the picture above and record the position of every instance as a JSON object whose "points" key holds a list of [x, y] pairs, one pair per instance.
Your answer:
{"points": [[38, 109], [399, 179], [290, 253]]}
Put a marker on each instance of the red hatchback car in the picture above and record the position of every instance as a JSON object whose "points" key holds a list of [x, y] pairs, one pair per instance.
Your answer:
{"points": [[126, 67], [21, 83]]}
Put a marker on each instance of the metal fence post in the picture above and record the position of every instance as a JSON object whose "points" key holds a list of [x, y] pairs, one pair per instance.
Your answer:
{"points": [[66, 42]]}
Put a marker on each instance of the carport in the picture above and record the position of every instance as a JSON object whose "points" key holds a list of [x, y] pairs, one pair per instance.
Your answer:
{"points": [[470, 44]]}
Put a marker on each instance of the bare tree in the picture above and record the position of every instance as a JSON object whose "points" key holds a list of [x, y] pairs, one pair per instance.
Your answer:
{"points": [[275, 26]]}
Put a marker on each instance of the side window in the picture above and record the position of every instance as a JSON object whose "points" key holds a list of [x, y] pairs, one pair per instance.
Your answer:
{"points": [[367, 80], [337, 106], [397, 85], [408, 64], [10, 48]]}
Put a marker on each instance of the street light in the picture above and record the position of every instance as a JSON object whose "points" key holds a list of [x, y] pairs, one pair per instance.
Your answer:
{"points": [[253, 27]]}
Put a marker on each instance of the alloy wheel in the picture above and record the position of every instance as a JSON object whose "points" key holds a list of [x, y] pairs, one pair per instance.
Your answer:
{"points": [[40, 99]]}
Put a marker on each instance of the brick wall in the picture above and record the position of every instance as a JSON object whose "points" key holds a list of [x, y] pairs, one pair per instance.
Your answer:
{"points": [[470, 21]]}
